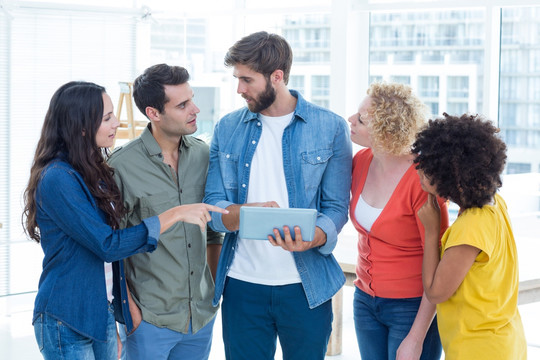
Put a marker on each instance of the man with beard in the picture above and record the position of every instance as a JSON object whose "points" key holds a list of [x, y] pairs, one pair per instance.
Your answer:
{"points": [[280, 151]]}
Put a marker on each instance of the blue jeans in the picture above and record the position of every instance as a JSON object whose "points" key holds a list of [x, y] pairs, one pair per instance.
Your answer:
{"points": [[151, 342], [255, 315], [381, 325], [58, 341]]}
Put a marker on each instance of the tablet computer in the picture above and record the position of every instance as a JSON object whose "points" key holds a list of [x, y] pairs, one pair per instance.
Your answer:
{"points": [[256, 223]]}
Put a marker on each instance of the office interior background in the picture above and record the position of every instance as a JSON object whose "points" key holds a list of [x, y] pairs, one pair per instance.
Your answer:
{"points": [[459, 56]]}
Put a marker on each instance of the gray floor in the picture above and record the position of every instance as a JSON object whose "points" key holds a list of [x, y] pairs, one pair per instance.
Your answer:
{"points": [[17, 340]]}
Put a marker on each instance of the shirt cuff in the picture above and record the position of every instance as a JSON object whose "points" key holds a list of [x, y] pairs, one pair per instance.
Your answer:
{"points": [[217, 219], [153, 226], [329, 228]]}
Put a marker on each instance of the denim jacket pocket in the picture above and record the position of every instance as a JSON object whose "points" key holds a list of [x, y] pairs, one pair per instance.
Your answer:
{"points": [[228, 164], [313, 166]]}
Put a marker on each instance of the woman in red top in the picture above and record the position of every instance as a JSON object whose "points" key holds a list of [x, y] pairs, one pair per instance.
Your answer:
{"points": [[393, 319]]}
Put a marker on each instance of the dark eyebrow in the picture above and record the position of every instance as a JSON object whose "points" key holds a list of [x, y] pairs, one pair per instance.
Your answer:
{"points": [[187, 100]]}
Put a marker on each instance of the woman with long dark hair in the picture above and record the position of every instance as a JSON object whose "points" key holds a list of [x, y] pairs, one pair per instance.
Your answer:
{"points": [[73, 208]]}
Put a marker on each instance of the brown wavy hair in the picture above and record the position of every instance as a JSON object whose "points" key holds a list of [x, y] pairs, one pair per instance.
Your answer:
{"points": [[76, 108], [263, 53]]}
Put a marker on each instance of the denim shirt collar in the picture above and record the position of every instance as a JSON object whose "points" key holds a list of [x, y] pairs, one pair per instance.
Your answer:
{"points": [[300, 111]]}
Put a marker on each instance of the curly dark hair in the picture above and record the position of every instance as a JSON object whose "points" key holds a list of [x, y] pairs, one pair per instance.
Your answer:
{"points": [[463, 157]]}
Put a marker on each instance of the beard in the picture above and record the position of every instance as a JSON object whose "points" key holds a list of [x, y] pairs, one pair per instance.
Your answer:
{"points": [[265, 99]]}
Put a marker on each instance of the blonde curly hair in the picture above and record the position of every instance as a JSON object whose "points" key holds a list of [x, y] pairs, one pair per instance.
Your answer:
{"points": [[397, 116]]}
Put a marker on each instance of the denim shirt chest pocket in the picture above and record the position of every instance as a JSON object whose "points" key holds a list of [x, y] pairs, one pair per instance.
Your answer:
{"points": [[228, 164], [313, 166]]}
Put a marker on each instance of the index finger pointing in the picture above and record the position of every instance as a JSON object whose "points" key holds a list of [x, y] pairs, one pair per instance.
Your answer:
{"points": [[216, 209]]}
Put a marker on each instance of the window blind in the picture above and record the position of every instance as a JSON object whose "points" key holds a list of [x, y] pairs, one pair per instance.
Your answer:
{"points": [[41, 50]]}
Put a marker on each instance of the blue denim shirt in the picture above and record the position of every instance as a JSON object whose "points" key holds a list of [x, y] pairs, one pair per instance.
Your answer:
{"points": [[317, 158], [76, 242]]}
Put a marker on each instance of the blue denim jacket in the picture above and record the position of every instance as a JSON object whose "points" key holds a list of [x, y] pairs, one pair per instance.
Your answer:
{"points": [[76, 242], [317, 157]]}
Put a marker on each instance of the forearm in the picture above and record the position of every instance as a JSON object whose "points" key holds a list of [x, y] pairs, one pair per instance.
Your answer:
{"points": [[412, 344], [232, 220], [430, 263], [168, 218], [423, 320]]}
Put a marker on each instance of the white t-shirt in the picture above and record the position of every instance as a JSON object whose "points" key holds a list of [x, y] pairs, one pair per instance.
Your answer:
{"points": [[365, 214], [258, 261], [109, 281]]}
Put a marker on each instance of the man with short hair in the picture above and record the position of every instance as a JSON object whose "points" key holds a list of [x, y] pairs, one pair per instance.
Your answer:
{"points": [[280, 151], [171, 288]]}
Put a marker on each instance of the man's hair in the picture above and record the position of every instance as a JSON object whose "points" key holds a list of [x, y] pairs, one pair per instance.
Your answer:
{"points": [[262, 52], [463, 157], [397, 116], [149, 87]]}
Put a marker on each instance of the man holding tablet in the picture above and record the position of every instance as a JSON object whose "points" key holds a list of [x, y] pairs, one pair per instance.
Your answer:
{"points": [[280, 151]]}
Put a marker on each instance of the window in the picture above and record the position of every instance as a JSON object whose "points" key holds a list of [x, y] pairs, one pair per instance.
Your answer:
{"points": [[518, 168], [401, 79], [458, 87], [520, 87], [320, 85], [41, 50], [297, 82], [428, 86]]}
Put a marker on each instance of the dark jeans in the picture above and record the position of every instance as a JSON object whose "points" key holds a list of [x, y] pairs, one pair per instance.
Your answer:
{"points": [[381, 325], [255, 315]]}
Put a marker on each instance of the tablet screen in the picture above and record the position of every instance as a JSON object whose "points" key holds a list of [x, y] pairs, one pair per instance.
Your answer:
{"points": [[256, 223]]}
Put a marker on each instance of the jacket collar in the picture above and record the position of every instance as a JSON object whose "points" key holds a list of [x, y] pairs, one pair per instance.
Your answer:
{"points": [[300, 111]]}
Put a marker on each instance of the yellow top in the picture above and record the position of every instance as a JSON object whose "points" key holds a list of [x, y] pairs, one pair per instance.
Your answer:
{"points": [[481, 319]]}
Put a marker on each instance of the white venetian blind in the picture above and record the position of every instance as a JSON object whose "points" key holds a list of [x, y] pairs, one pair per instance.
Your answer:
{"points": [[4, 152], [41, 49]]}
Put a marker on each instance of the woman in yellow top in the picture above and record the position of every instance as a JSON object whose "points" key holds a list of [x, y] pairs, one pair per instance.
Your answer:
{"points": [[473, 277]]}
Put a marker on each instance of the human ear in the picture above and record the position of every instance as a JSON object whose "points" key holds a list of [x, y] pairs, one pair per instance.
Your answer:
{"points": [[152, 113]]}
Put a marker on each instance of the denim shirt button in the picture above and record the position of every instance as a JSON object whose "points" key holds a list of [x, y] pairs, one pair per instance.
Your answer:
{"points": [[258, 123], [228, 156], [318, 158], [253, 142], [247, 165], [243, 185]]}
